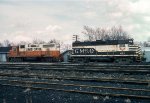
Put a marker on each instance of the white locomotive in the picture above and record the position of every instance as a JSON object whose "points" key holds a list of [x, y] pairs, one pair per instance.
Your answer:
{"points": [[110, 50]]}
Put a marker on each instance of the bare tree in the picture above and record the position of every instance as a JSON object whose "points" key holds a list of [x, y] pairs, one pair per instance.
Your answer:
{"points": [[1, 44], [7, 43], [148, 39], [22, 43], [114, 33], [90, 32], [120, 34], [54, 41], [38, 41]]}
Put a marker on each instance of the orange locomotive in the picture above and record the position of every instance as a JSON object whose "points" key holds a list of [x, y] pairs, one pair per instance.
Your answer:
{"points": [[35, 52]]}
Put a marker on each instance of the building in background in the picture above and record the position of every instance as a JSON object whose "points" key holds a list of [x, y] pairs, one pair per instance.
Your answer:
{"points": [[146, 50], [3, 53], [65, 55]]}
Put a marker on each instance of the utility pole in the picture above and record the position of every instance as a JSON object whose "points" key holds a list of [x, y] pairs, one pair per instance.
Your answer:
{"points": [[75, 37]]}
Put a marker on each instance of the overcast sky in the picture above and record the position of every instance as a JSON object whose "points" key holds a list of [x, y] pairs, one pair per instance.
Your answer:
{"points": [[25, 20]]}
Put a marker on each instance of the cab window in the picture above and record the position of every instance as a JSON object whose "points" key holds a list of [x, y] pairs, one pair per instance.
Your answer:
{"points": [[14, 49], [22, 46]]}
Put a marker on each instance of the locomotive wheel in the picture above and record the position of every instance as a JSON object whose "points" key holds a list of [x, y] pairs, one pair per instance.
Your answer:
{"points": [[15, 59], [75, 60], [80, 60], [10, 59], [20, 59], [85, 60], [46, 59]]}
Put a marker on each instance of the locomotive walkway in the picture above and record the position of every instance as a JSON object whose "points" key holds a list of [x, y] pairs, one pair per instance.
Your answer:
{"points": [[114, 80]]}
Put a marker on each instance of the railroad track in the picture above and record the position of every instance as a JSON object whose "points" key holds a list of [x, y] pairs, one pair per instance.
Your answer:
{"points": [[81, 79], [85, 89], [77, 64], [140, 69], [104, 70], [49, 76]]}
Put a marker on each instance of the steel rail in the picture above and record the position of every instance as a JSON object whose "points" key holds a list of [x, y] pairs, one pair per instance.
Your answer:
{"points": [[79, 64], [74, 68], [91, 86], [135, 81], [124, 70], [144, 66], [82, 92]]}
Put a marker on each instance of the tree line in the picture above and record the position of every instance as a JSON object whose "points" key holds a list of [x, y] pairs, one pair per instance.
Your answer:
{"points": [[7, 43], [99, 33]]}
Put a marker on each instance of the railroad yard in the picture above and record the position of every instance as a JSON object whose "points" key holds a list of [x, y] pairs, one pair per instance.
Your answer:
{"points": [[74, 83]]}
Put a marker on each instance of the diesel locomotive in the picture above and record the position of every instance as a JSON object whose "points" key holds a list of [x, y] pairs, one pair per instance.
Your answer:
{"points": [[108, 50], [35, 52]]}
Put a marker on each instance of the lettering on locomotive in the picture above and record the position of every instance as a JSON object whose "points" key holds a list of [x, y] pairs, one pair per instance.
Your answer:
{"points": [[83, 51]]}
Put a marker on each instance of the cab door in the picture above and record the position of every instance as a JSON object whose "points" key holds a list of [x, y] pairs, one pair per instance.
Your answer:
{"points": [[14, 52]]}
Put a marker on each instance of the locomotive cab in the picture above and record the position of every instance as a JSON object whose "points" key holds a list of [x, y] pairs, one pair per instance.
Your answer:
{"points": [[14, 51]]}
